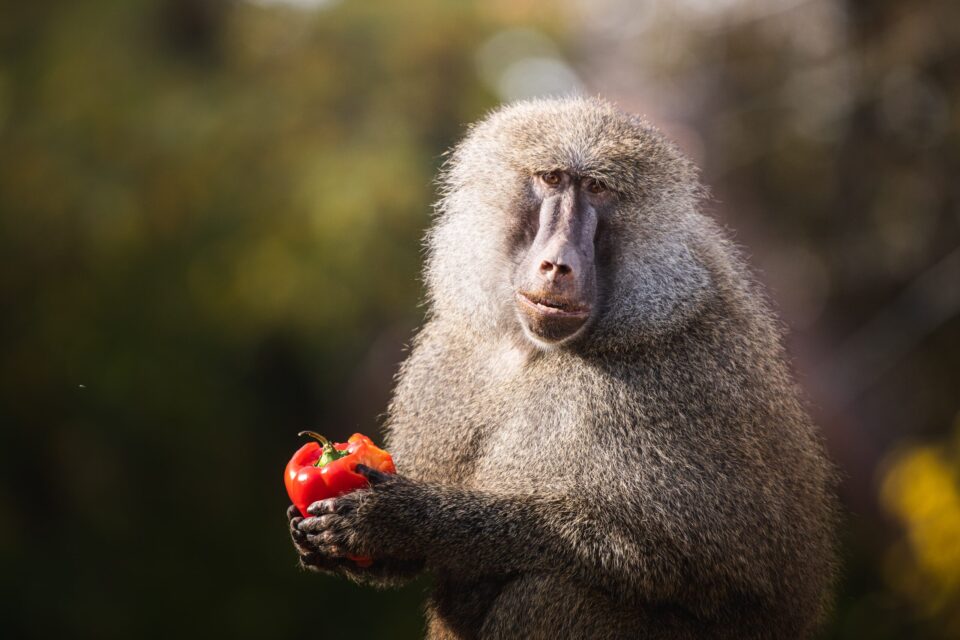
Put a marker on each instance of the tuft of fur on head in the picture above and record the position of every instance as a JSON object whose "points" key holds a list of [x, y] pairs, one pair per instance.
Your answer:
{"points": [[649, 258]]}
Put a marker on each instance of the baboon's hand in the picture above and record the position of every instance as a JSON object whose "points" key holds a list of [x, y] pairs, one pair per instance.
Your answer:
{"points": [[367, 522], [311, 557]]}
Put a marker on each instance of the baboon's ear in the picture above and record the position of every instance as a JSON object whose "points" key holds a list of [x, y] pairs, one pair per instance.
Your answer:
{"points": [[657, 286]]}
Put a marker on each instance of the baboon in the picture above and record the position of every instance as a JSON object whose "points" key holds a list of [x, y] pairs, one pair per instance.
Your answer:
{"points": [[596, 432]]}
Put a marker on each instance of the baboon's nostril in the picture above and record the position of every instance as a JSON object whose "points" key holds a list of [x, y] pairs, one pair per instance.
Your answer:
{"points": [[552, 270]]}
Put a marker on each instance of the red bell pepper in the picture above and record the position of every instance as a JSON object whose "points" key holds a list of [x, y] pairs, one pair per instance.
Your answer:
{"points": [[321, 470]]}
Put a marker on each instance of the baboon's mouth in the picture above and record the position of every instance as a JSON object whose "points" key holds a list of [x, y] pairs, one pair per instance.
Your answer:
{"points": [[554, 307]]}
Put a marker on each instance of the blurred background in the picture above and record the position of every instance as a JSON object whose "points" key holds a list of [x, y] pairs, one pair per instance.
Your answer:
{"points": [[210, 223]]}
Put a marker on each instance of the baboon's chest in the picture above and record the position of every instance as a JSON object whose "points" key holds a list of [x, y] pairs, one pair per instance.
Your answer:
{"points": [[535, 423], [532, 448], [522, 425]]}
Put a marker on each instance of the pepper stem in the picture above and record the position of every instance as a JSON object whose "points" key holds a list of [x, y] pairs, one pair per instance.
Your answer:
{"points": [[328, 454], [316, 436]]}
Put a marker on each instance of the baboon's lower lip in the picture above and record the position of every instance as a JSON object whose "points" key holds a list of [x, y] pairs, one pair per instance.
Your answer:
{"points": [[552, 307]]}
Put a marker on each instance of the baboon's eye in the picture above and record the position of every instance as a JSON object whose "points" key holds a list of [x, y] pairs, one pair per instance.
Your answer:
{"points": [[595, 186], [551, 178]]}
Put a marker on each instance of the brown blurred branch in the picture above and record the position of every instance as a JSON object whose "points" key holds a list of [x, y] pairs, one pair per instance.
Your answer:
{"points": [[928, 302]]}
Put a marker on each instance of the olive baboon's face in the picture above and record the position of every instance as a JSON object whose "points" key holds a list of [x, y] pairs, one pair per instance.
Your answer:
{"points": [[555, 281]]}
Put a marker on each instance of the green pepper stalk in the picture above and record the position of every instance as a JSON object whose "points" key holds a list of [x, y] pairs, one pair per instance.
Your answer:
{"points": [[330, 453]]}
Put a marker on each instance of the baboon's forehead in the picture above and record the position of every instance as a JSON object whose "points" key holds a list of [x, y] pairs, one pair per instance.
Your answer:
{"points": [[584, 136]]}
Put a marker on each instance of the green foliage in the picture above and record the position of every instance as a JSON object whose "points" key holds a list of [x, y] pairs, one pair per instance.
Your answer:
{"points": [[211, 223]]}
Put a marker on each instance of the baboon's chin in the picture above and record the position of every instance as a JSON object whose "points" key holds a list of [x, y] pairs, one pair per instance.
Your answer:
{"points": [[551, 326], [551, 339]]}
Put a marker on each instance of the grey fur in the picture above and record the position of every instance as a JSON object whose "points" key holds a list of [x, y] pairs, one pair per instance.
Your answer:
{"points": [[657, 478]]}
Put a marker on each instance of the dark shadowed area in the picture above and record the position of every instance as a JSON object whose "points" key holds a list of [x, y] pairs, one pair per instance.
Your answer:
{"points": [[210, 224]]}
